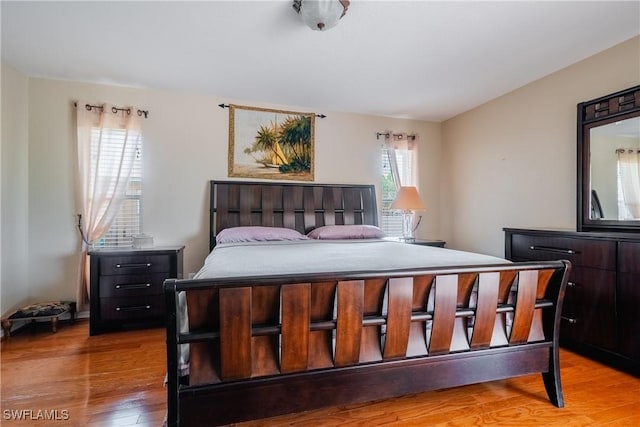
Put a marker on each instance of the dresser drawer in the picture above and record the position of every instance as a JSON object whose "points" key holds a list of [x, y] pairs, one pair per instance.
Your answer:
{"points": [[131, 284], [592, 253], [135, 264], [589, 301], [629, 257], [132, 308]]}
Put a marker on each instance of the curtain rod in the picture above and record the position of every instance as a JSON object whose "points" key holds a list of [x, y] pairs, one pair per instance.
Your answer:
{"points": [[114, 110], [388, 134], [322, 116]]}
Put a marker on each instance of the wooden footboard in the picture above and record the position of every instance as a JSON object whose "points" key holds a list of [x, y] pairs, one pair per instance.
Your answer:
{"points": [[261, 347]]}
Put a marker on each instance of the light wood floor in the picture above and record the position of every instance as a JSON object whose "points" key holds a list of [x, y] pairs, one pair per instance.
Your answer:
{"points": [[116, 380]]}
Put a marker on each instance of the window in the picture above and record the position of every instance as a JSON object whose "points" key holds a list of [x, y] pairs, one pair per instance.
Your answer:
{"points": [[628, 167], [127, 222], [391, 221], [623, 212]]}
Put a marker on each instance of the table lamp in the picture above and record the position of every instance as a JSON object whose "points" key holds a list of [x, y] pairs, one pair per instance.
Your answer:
{"points": [[407, 200]]}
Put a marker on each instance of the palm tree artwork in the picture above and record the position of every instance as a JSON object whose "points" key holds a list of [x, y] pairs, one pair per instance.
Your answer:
{"points": [[266, 142], [295, 136], [279, 143]]}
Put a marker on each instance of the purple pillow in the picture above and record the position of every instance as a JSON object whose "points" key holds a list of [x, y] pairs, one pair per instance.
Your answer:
{"points": [[257, 234], [338, 232]]}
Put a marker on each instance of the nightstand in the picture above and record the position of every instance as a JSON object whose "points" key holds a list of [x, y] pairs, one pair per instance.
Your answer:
{"points": [[438, 243], [126, 286]]}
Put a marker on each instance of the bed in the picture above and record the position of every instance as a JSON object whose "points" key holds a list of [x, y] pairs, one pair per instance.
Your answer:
{"points": [[272, 326]]}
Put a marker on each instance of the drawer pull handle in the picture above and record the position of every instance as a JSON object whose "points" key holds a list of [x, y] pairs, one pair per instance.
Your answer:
{"points": [[133, 286], [570, 320], [141, 265], [555, 250], [134, 308]]}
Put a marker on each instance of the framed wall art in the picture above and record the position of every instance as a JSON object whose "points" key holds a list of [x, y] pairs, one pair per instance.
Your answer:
{"points": [[271, 144]]}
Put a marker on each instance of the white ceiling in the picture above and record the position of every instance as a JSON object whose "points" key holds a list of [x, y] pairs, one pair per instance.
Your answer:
{"points": [[419, 59]]}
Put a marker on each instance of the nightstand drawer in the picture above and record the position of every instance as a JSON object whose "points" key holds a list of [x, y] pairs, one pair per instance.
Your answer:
{"points": [[131, 284], [131, 308], [134, 264]]}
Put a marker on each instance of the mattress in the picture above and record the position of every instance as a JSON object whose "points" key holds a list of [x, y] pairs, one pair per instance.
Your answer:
{"points": [[330, 256]]}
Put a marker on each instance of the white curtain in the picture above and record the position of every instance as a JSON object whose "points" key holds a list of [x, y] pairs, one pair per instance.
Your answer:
{"points": [[402, 150], [104, 168], [394, 143], [629, 166]]}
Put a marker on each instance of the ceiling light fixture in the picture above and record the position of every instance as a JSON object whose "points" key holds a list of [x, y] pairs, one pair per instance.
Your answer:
{"points": [[321, 15]]}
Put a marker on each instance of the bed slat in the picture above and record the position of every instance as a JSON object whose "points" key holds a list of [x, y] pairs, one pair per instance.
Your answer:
{"points": [[204, 364], [309, 209], [247, 195], [506, 282], [235, 333], [499, 337], [349, 325], [370, 344], [296, 313], [267, 201], [321, 342], [485, 319], [525, 302], [537, 332], [328, 206], [444, 313], [351, 202], [369, 205], [398, 317]]}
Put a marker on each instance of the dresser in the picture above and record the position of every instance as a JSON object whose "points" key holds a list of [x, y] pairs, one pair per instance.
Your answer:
{"points": [[601, 310], [126, 286]]}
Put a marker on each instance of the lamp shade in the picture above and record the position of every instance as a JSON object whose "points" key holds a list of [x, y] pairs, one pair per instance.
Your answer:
{"points": [[408, 199], [321, 15]]}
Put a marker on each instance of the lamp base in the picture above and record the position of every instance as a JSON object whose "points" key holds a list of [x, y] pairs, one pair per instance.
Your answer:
{"points": [[407, 227]]}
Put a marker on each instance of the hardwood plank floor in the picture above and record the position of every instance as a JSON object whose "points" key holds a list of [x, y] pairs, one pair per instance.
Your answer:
{"points": [[116, 380]]}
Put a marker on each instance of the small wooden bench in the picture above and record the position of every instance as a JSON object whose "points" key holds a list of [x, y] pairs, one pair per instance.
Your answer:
{"points": [[51, 310]]}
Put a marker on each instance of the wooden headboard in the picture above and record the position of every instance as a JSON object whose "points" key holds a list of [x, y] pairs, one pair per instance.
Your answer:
{"points": [[300, 206]]}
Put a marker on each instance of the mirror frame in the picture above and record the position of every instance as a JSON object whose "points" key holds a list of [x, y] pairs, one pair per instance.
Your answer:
{"points": [[611, 108]]}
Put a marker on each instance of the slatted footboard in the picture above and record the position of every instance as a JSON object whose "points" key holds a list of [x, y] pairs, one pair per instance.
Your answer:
{"points": [[261, 347]]}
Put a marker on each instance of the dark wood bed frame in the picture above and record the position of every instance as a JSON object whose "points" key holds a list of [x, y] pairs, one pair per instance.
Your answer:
{"points": [[266, 346]]}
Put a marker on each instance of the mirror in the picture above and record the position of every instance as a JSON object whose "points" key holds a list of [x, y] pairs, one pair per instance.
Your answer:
{"points": [[615, 185], [609, 162]]}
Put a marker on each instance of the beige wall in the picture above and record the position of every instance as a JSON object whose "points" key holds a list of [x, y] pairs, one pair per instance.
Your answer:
{"points": [[14, 268], [512, 162], [186, 141]]}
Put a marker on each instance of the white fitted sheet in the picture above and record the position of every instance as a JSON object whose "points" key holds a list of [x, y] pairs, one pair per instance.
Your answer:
{"points": [[330, 256]]}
